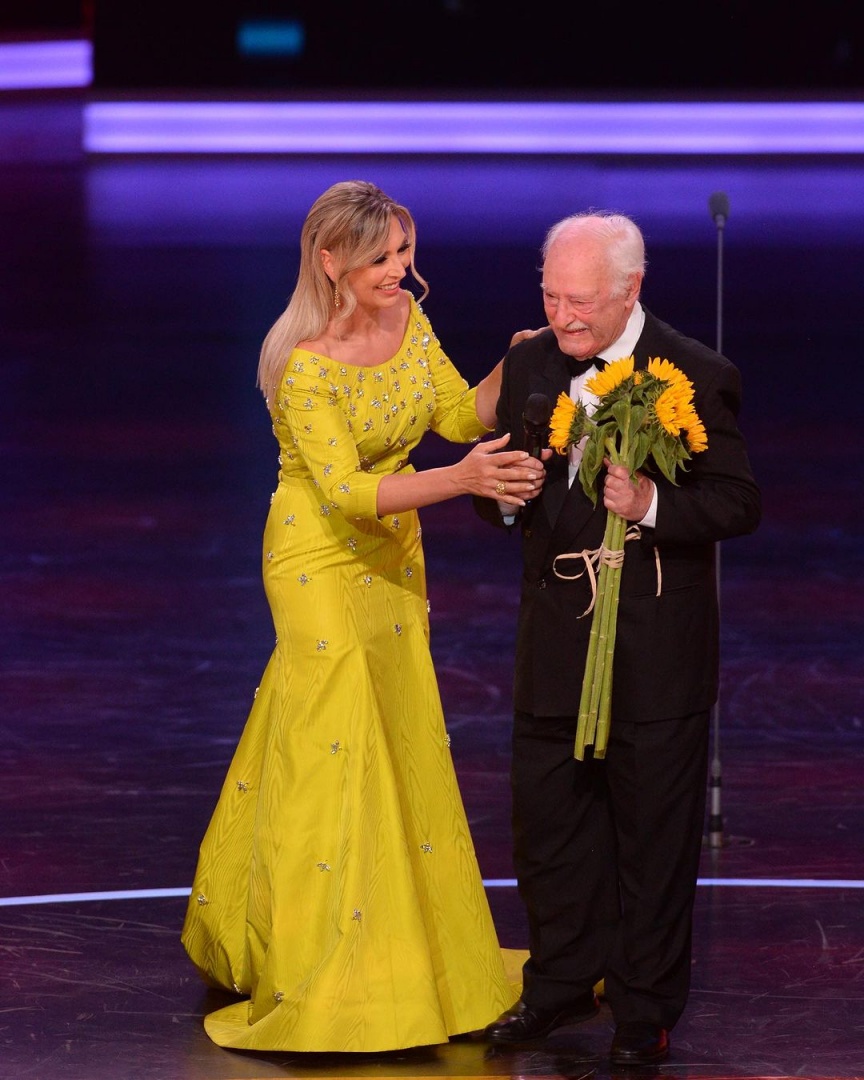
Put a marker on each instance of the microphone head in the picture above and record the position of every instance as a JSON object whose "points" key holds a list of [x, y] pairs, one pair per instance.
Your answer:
{"points": [[538, 410], [718, 204]]}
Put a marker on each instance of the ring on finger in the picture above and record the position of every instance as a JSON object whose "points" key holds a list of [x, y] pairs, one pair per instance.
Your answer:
{"points": [[500, 488]]}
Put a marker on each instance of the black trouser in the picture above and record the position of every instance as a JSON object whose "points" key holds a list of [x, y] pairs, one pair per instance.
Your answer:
{"points": [[607, 856]]}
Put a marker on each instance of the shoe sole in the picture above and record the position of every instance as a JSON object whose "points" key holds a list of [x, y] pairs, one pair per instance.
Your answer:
{"points": [[575, 1018], [654, 1059]]}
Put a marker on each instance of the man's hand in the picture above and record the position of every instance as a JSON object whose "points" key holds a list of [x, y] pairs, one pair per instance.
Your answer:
{"points": [[629, 498]]}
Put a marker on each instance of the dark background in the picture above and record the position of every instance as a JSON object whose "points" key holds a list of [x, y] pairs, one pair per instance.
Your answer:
{"points": [[452, 46], [138, 463]]}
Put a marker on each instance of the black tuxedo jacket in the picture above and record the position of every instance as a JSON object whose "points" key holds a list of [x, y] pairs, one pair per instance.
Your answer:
{"points": [[667, 646]]}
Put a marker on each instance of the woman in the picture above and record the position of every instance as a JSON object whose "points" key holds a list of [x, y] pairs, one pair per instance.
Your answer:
{"points": [[337, 887]]}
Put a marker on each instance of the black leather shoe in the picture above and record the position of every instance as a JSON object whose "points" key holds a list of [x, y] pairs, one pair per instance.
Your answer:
{"points": [[523, 1023], [637, 1042]]}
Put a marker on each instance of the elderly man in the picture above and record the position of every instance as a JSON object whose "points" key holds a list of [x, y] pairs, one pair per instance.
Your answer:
{"points": [[606, 849]]}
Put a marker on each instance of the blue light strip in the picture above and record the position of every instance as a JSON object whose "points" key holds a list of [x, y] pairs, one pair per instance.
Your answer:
{"points": [[490, 883], [45, 65], [428, 127], [77, 898], [738, 883]]}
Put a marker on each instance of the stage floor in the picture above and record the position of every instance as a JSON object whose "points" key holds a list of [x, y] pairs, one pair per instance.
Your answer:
{"points": [[138, 464]]}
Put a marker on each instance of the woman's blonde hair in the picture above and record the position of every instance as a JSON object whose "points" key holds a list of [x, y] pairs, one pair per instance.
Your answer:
{"points": [[352, 221]]}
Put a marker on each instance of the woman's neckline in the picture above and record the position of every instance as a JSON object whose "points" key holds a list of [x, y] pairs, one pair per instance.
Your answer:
{"points": [[318, 354]]}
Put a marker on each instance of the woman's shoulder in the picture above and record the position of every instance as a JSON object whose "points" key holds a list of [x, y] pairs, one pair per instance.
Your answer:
{"points": [[415, 307], [318, 346], [418, 320]]}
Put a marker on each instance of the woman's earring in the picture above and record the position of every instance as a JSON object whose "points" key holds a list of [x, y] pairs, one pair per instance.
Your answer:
{"points": [[337, 299]]}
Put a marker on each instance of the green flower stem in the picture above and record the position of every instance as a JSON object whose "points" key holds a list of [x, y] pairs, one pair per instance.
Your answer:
{"points": [[586, 723], [595, 705], [592, 681], [596, 701], [616, 529]]}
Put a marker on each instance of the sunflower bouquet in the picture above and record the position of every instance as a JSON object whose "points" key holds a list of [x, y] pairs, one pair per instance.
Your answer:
{"points": [[639, 415]]}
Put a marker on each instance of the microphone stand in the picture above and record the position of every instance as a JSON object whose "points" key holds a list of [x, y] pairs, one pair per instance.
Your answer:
{"points": [[718, 204]]}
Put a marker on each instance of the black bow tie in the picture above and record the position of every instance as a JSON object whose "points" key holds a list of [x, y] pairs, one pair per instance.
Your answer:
{"points": [[579, 367]]}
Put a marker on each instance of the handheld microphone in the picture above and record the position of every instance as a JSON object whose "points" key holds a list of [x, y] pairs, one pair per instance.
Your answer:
{"points": [[718, 205], [535, 423]]}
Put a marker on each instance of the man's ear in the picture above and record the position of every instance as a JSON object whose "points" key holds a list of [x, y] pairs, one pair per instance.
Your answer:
{"points": [[634, 287]]}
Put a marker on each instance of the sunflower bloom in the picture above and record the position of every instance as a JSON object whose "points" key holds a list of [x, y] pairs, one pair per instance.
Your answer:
{"points": [[697, 437], [611, 377], [666, 372], [561, 423], [671, 406]]}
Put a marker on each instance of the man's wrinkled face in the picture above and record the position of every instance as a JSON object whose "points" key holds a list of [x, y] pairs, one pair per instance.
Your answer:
{"points": [[585, 306]]}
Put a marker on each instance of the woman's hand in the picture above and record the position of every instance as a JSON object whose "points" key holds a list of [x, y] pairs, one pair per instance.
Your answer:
{"points": [[509, 476], [521, 335]]}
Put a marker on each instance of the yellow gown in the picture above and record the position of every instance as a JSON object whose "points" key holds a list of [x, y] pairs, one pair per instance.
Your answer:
{"points": [[337, 888]]}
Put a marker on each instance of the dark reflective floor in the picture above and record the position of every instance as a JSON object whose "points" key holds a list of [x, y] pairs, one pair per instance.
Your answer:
{"points": [[137, 467]]}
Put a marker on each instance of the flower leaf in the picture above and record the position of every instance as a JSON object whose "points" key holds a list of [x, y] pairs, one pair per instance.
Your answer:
{"points": [[621, 413], [665, 456], [640, 448], [592, 459]]}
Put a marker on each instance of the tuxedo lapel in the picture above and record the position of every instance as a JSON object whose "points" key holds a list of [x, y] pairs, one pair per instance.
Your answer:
{"points": [[553, 378], [647, 347]]}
